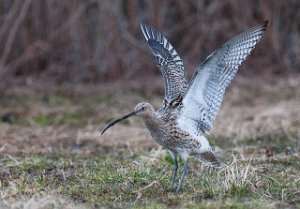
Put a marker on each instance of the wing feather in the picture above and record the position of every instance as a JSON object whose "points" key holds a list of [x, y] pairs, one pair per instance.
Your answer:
{"points": [[204, 96], [168, 61]]}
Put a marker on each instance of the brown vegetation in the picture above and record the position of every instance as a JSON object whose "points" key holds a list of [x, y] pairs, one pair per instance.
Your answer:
{"points": [[99, 40]]}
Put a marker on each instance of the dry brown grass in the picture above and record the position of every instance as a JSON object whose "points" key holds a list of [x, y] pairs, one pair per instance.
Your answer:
{"points": [[40, 201], [256, 135], [260, 108], [250, 110]]}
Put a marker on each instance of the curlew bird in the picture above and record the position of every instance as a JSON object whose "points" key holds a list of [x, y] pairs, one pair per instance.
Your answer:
{"points": [[190, 108]]}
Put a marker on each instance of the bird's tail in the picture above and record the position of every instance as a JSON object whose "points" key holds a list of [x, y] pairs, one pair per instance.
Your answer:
{"points": [[209, 159]]}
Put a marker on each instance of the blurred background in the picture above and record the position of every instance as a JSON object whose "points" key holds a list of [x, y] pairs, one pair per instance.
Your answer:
{"points": [[94, 41]]}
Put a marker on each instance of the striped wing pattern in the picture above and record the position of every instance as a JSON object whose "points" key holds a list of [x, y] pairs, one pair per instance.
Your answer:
{"points": [[169, 63], [207, 87]]}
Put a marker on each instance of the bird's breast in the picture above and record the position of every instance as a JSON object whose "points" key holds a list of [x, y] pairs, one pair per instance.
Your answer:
{"points": [[170, 135], [158, 130]]}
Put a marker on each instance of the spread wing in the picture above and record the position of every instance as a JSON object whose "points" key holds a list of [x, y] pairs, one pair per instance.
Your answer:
{"points": [[168, 61], [207, 87]]}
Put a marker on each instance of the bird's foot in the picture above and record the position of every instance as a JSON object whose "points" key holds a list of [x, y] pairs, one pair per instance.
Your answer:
{"points": [[179, 189], [172, 189]]}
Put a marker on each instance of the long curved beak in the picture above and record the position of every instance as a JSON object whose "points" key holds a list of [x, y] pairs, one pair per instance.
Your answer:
{"points": [[118, 120]]}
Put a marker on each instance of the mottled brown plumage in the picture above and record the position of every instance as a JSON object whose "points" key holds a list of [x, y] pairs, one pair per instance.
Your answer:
{"points": [[188, 110]]}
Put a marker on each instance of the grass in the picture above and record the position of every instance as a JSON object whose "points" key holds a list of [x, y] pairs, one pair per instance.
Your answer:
{"points": [[122, 180], [53, 156], [74, 118]]}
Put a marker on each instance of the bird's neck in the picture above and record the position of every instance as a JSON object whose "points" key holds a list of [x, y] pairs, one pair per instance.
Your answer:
{"points": [[156, 127], [152, 122]]}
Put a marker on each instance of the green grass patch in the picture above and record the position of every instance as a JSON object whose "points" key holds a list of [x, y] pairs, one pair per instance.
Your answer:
{"points": [[118, 180], [123, 176], [74, 118]]}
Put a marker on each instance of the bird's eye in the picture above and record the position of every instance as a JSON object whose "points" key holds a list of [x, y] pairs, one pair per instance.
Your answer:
{"points": [[143, 108]]}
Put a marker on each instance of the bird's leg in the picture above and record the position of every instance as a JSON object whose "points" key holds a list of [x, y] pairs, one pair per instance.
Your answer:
{"points": [[184, 172], [175, 172], [174, 157]]}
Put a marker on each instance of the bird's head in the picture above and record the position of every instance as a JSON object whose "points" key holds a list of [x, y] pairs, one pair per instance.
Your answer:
{"points": [[142, 109]]}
